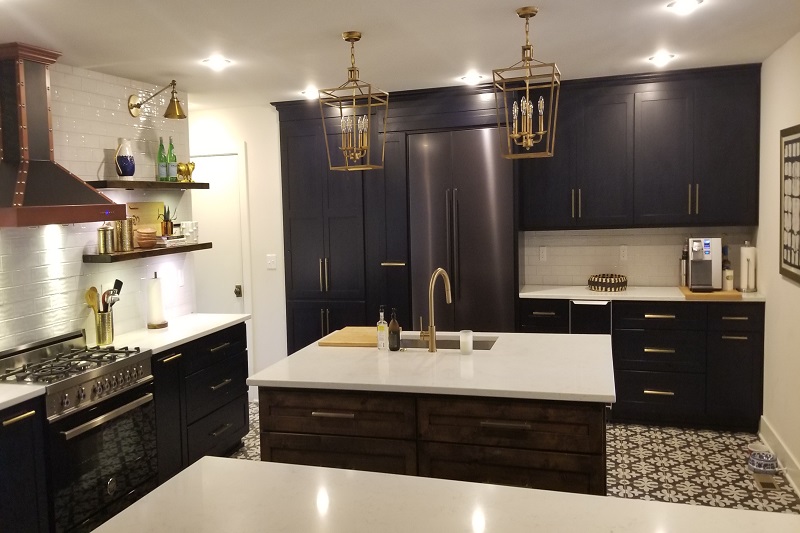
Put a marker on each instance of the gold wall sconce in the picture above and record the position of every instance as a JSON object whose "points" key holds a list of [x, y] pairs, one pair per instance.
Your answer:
{"points": [[174, 109]]}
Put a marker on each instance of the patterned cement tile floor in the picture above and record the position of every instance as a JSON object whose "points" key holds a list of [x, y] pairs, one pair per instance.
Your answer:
{"points": [[697, 467]]}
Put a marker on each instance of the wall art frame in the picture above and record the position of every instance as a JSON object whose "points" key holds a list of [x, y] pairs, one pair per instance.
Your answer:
{"points": [[790, 204]]}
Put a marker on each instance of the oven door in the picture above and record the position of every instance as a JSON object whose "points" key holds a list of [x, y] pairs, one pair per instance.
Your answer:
{"points": [[103, 459]]}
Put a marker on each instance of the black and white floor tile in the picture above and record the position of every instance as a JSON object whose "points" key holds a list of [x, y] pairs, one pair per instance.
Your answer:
{"points": [[696, 467]]}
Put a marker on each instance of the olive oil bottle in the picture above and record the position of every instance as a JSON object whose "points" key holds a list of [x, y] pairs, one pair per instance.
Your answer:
{"points": [[394, 332]]}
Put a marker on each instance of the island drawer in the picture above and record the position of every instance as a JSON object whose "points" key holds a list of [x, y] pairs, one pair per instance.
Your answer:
{"points": [[660, 394], [563, 472], [736, 317], [540, 425], [337, 413], [662, 350], [216, 385], [358, 453], [659, 315], [220, 431], [543, 315]]}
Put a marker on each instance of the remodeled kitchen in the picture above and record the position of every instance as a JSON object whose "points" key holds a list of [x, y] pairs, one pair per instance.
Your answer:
{"points": [[545, 278]]}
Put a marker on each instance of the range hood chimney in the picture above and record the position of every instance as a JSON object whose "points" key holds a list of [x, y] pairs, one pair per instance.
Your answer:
{"points": [[34, 189]]}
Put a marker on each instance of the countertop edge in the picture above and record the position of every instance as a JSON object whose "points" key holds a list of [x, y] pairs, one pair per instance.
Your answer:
{"points": [[9, 397], [582, 292]]}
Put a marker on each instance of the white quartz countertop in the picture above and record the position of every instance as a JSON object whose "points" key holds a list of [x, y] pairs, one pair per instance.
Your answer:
{"points": [[219, 494], [582, 292], [519, 365], [180, 330]]}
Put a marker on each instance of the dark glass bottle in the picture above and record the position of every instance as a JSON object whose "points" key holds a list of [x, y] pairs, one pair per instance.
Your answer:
{"points": [[394, 332]]}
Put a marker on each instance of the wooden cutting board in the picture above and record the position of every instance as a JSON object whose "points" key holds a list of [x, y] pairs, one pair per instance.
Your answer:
{"points": [[716, 295], [364, 336]]}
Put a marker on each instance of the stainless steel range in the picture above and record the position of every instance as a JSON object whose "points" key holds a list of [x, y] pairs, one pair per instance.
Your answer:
{"points": [[101, 425]]}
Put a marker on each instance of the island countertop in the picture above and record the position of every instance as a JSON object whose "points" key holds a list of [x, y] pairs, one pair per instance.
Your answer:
{"points": [[519, 365]]}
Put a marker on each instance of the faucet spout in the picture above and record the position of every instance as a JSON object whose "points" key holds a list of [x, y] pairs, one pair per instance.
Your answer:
{"points": [[439, 272]]}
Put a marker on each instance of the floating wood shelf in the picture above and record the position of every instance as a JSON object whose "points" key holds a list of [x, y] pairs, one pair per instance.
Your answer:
{"points": [[139, 253], [131, 184]]}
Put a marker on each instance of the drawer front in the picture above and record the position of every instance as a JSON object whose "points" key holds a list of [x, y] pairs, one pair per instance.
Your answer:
{"points": [[219, 432], [216, 347], [736, 317], [566, 472], [543, 315], [536, 425], [659, 315], [357, 453], [659, 350], [211, 388], [337, 413], [659, 394]]}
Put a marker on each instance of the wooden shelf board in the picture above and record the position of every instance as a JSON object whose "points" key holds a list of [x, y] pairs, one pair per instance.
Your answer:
{"points": [[144, 252], [139, 184]]}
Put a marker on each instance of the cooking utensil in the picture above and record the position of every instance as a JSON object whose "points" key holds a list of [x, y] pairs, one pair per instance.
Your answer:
{"points": [[106, 299], [117, 286], [92, 299]]}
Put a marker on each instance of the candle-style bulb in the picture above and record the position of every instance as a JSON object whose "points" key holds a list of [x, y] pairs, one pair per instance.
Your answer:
{"points": [[541, 106]]}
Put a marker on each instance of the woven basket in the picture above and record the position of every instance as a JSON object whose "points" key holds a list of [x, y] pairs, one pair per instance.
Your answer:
{"points": [[608, 282]]}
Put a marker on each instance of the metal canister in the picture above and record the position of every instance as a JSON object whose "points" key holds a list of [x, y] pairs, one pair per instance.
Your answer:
{"points": [[105, 240], [123, 235]]}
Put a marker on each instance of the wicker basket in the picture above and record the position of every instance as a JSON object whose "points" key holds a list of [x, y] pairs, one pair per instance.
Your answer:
{"points": [[608, 282]]}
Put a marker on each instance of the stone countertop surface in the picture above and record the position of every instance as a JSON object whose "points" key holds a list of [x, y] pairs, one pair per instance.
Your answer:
{"points": [[220, 494], [519, 365], [181, 329], [582, 292]]}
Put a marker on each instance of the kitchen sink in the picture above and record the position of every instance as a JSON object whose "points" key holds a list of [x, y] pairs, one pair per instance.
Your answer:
{"points": [[481, 343]]}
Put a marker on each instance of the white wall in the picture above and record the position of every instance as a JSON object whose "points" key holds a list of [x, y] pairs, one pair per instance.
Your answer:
{"points": [[780, 109], [223, 131]]}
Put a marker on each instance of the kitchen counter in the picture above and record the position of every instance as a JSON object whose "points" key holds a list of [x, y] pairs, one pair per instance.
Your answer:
{"points": [[216, 494], [519, 365], [181, 329], [582, 292]]}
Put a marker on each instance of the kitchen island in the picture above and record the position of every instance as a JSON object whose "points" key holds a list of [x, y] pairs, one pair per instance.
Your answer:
{"points": [[530, 411]]}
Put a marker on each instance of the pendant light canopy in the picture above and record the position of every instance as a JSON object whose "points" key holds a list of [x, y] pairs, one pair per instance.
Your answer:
{"points": [[354, 119], [526, 96]]}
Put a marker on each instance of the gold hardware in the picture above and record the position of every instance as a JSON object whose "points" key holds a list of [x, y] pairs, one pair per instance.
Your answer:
{"points": [[325, 270], [220, 347], [328, 414], [168, 359], [322, 322], [659, 350], [697, 199], [734, 337], [580, 203], [218, 386], [543, 313], [690, 199], [658, 392], [221, 430], [19, 418], [439, 272], [174, 109], [320, 276], [735, 318], [392, 264], [659, 316], [505, 425], [572, 191]]}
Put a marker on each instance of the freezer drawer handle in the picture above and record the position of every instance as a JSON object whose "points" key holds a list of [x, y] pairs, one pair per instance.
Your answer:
{"points": [[393, 264], [19, 418], [328, 414], [647, 315], [111, 415], [221, 430], [543, 313], [659, 350], [497, 424], [220, 385], [734, 337], [735, 318], [659, 392], [220, 347]]}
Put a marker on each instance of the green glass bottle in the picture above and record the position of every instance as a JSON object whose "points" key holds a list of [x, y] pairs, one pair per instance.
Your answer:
{"points": [[172, 162], [162, 161]]}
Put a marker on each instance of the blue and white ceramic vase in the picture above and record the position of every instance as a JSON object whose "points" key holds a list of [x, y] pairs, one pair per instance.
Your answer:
{"points": [[124, 159]]}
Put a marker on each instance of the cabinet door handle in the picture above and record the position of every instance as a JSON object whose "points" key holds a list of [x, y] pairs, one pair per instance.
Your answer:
{"points": [[697, 199], [393, 264], [572, 192], [734, 337], [659, 350], [218, 386], [171, 358], [327, 288], [690, 199], [320, 275], [19, 418], [735, 318], [580, 203], [329, 414], [499, 424], [543, 313], [327, 320], [658, 392], [221, 430], [670, 317], [220, 347]]}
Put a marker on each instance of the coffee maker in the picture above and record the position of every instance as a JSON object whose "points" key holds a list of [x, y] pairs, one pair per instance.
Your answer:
{"points": [[705, 264]]}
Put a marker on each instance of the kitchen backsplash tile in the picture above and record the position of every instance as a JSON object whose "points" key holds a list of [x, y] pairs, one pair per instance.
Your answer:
{"points": [[653, 254]]}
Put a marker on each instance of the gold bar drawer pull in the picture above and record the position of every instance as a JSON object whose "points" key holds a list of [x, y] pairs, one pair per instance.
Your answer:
{"points": [[393, 264], [734, 337], [328, 414], [497, 424], [171, 358], [647, 315], [221, 430], [543, 313], [735, 318], [19, 418], [659, 350], [220, 385], [658, 392], [220, 347]]}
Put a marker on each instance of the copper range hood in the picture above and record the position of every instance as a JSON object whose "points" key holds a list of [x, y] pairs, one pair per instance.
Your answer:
{"points": [[34, 189]]}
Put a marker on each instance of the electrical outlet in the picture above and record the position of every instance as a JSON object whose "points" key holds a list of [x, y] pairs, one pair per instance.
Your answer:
{"points": [[623, 253], [543, 254], [272, 261]]}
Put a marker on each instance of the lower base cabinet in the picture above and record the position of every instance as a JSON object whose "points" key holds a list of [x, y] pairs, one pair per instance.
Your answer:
{"points": [[526, 443]]}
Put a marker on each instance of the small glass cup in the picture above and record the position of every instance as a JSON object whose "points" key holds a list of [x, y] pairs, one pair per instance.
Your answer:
{"points": [[465, 341]]}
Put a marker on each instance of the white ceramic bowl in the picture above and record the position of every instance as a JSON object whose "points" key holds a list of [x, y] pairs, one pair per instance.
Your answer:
{"points": [[763, 462]]}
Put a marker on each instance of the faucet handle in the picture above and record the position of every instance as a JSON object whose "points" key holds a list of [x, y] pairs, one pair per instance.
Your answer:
{"points": [[423, 334]]}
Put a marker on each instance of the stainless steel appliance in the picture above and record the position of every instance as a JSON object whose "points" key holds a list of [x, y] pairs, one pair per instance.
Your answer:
{"points": [[705, 264], [101, 425], [461, 212]]}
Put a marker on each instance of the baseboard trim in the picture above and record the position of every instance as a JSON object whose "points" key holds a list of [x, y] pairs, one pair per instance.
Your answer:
{"points": [[790, 463]]}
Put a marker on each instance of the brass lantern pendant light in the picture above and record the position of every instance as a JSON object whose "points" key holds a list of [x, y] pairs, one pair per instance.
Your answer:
{"points": [[354, 119], [526, 97]]}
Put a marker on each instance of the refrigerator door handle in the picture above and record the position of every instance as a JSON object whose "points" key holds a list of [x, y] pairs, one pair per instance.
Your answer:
{"points": [[456, 253], [448, 228]]}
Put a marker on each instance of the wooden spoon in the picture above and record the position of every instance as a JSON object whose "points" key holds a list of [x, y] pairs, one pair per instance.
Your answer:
{"points": [[92, 299]]}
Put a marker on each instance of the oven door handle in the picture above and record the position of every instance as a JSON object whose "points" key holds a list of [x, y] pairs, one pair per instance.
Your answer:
{"points": [[111, 415]]}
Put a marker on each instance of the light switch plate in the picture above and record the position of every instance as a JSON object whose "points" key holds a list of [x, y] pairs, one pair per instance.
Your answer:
{"points": [[272, 261], [623, 253], [543, 254]]}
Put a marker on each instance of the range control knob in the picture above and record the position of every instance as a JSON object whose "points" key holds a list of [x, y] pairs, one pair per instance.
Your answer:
{"points": [[65, 400], [113, 382], [106, 384], [128, 376], [97, 388], [81, 394]]}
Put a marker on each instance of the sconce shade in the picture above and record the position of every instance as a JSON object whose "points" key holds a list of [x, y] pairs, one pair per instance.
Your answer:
{"points": [[174, 109]]}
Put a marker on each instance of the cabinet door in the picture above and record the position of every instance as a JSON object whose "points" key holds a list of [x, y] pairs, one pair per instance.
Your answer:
{"points": [[170, 420], [341, 314], [735, 375], [727, 150], [23, 493], [663, 183], [305, 323], [604, 179]]}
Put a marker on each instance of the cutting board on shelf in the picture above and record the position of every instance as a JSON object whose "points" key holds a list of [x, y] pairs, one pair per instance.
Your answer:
{"points": [[357, 336], [716, 295]]}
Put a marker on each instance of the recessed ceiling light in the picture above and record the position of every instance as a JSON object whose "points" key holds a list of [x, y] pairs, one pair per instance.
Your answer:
{"points": [[471, 78], [310, 92], [661, 58], [684, 7], [217, 62]]}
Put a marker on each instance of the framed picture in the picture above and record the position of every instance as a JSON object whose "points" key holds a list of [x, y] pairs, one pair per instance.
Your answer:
{"points": [[790, 203]]}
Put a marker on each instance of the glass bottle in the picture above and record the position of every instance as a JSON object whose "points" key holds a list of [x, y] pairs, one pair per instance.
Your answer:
{"points": [[394, 332], [162, 161], [383, 332], [172, 162]]}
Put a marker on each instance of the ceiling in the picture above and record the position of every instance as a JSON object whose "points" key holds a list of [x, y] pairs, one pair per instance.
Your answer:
{"points": [[280, 46]]}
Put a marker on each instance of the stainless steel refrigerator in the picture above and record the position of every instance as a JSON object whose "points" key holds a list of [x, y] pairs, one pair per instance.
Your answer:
{"points": [[461, 218]]}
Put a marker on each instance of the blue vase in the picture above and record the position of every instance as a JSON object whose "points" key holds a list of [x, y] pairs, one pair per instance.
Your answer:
{"points": [[124, 159]]}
